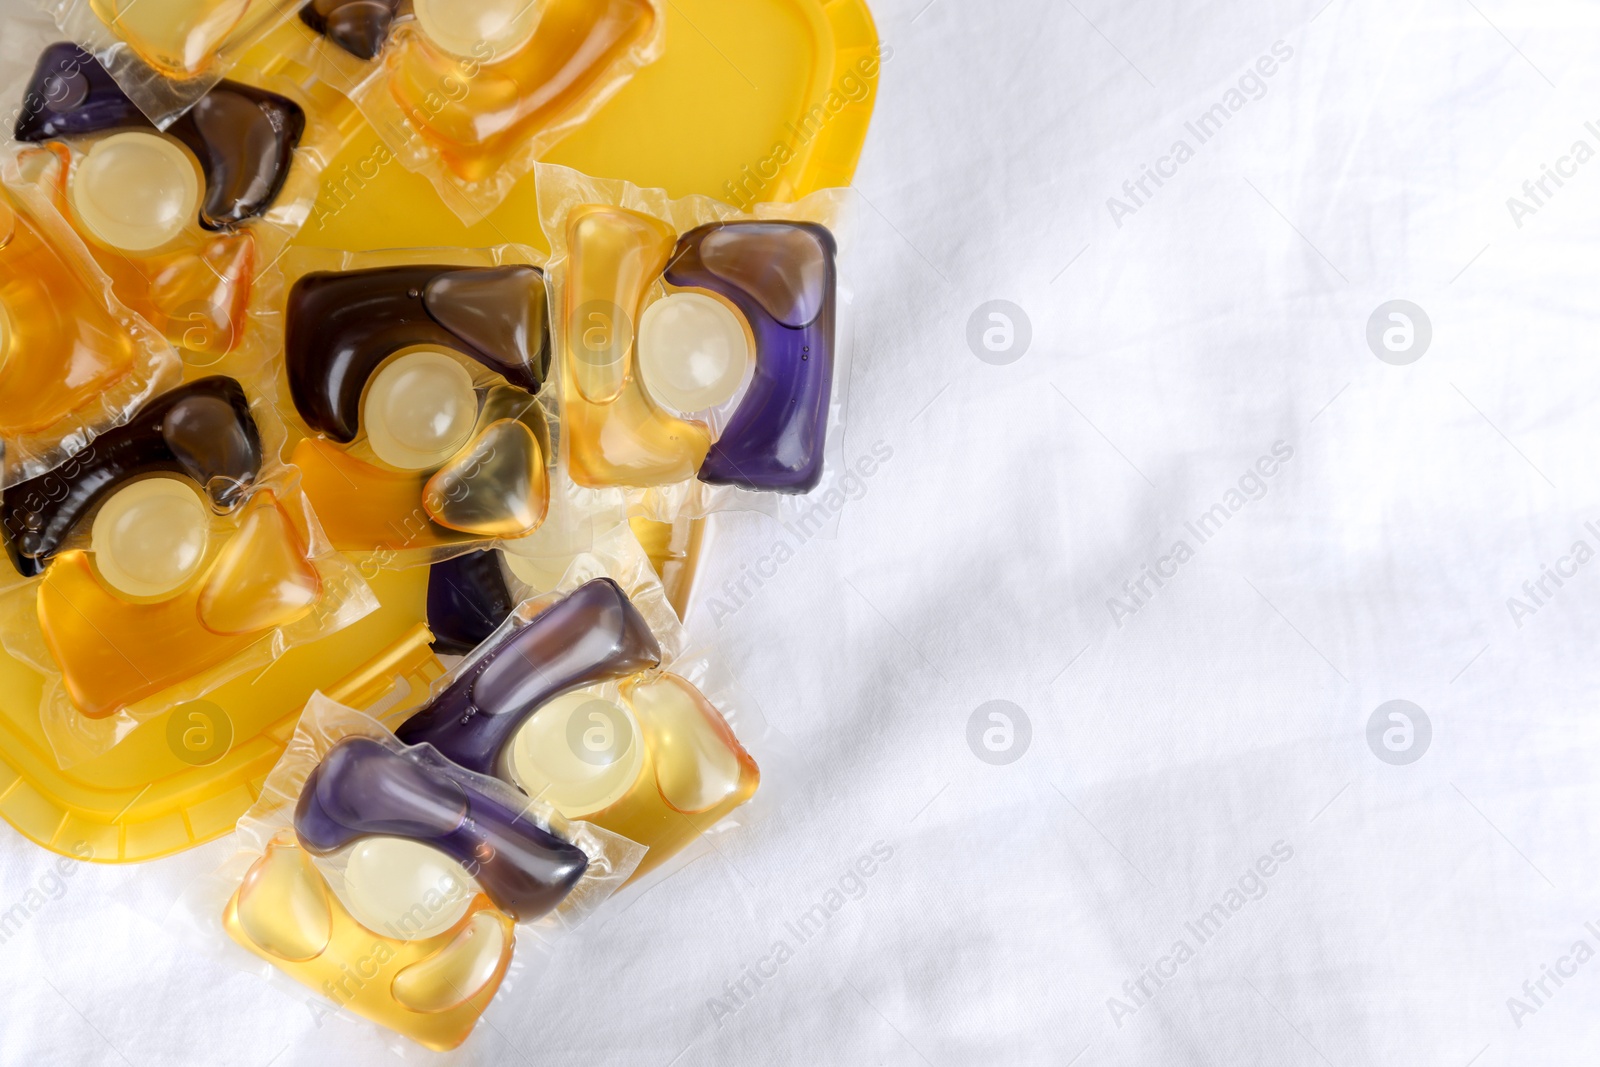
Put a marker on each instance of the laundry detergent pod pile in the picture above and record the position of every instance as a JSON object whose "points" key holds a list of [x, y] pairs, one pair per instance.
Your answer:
{"points": [[588, 697], [376, 553]]}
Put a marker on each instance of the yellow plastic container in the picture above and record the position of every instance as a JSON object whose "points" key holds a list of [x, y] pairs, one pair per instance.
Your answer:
{"points": [[737, 83]]}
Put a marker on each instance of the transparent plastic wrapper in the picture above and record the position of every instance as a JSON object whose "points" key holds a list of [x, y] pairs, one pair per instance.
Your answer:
{"points": [[184, 221], [586, 696], [397, 886], [76, 361], [170, 555], [166, 54], [471, 93], [412, 380], [701, 352]]}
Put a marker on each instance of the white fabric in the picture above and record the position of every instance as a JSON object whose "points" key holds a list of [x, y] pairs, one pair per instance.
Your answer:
{"points": [[1229, 712]]}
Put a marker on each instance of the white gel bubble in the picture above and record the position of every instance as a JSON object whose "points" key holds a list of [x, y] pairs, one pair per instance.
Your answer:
{"points": [[135, 191], [405, 889], [693, 352], [419, 410], [478, 29], [149, 537], [579, 753]]}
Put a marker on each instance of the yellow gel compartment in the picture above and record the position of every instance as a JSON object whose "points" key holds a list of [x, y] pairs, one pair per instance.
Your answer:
{"points": [[815, 62], [432, 990]]}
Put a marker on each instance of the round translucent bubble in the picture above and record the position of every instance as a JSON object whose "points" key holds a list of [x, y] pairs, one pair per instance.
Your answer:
{"points": [[580, 754], [405, 889], [135, 191], [479, 29], [149, 538], [419, 410], [692, 352]]}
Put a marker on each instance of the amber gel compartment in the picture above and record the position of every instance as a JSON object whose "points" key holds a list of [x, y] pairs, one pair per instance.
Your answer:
{"points": [[184, 220], [701, 350], [167, 557], [471, 93], [355, 885], [73, 360]]}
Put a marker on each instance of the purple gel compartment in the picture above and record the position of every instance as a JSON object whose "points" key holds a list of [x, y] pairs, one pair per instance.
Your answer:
{"points": [[360, 27], [782, 277], [363, 789], [71, 93], [203, 429], [467, 601], [343, 324], [592, 635], [244, 137]]}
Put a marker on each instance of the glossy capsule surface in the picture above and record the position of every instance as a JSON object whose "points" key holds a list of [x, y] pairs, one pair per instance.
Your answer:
{"points": [[467, 599], [113, 651], [194, 288], [60, 348], [781, 277], [341, 326], [692, 352], [592, 635], [179, 38], [660, 768], [162, 212], [202, 430], [243, 137], [515, 93], [374, 352], [431, 989], [615, 434], [695, 771], [360, 27], [134, 191], [362, 789]]}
